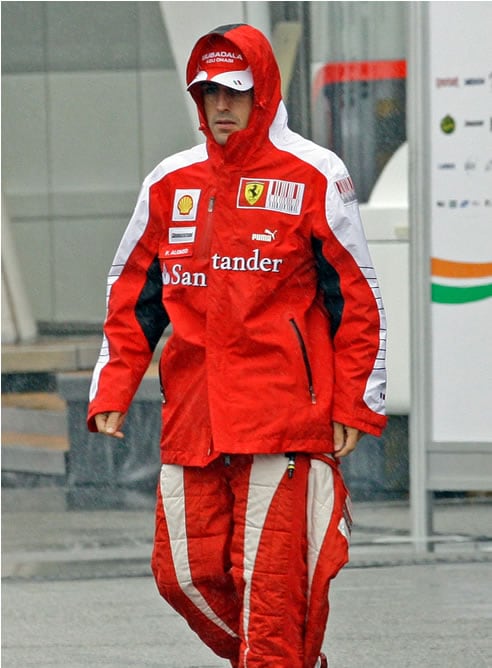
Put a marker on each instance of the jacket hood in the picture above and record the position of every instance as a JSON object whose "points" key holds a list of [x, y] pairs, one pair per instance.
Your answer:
{"points": [[257, 50]]}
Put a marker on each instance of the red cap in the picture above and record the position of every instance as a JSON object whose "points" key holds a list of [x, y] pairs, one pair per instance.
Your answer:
{"points": [[223, 63]]}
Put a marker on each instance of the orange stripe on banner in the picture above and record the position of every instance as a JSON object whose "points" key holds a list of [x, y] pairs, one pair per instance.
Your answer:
{"points": [[451, 269]]}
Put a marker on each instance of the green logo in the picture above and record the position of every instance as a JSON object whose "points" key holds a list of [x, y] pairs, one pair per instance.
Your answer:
{"points": [[448, 125]]}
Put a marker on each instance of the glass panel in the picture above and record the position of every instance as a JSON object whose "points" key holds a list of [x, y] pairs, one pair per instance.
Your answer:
{"points": [[358, 52], [23, 38], [84, 36]]}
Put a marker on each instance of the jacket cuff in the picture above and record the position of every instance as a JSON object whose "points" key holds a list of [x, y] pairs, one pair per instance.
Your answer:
{"points": [[375, 426]]}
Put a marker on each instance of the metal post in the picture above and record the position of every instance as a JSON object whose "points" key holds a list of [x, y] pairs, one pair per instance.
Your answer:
{"points": [[420, 321]]}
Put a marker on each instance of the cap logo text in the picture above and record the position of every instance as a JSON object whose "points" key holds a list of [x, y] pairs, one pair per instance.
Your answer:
{"points": [[221, 57]]}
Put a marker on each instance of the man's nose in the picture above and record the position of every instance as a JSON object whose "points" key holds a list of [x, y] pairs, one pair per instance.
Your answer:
{"points": [[222, 99]]}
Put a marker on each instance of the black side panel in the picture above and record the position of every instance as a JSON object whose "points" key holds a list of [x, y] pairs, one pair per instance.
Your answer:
{"points": [[329, 284], [149, 310]]}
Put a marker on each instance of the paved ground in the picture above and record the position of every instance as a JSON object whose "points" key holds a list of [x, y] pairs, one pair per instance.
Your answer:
{"points": [[407, 616], [77, 590]]}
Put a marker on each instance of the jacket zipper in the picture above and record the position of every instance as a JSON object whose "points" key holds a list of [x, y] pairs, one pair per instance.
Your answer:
{"points": [[305, 357], [207, 231]]}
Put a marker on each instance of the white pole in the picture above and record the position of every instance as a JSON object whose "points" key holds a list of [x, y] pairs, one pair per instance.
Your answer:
{"points": [[420, 322], [18, 323]]}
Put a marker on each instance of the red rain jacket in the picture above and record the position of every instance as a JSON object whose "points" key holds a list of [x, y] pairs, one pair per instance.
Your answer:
{"points": [[255, 253]]}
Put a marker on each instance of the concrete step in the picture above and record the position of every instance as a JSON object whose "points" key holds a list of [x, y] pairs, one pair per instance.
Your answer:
{"points": [[46, 401], [34, 433], [36, 412], [24, 420], [40, 461], [51, 354]]}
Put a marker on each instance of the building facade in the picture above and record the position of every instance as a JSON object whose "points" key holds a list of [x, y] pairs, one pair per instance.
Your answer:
{"points": [[93, 99]]}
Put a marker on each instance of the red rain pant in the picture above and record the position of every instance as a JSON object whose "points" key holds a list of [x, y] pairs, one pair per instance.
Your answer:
{"points": [[246, 554]]}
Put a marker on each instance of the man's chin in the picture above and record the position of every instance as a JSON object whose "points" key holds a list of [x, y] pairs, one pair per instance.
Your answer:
{"points": [[222, 136]]}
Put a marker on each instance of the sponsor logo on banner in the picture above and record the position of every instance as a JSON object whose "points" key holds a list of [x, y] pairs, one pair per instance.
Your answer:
{"points": [[458, 204], [185, 205], [474, 124], [477, 81], [182, 235], [446, 165], [346, 190], [448, 124], [270, 194], [447, 82]]}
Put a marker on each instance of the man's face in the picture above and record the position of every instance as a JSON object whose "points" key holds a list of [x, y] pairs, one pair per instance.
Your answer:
{"points": [[227, 110]]}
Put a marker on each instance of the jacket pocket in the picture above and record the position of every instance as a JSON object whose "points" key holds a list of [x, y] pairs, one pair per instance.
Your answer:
{"points": [[305, 358]]}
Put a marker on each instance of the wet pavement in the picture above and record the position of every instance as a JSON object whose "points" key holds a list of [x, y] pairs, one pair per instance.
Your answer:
{"points": [[77, 589]]}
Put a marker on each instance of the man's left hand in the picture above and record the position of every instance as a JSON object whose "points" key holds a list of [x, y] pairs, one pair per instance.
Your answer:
{"points": [[345, 439]]}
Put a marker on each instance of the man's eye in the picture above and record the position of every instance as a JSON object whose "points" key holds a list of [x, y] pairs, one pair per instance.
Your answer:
{"points": [[210, 89]]}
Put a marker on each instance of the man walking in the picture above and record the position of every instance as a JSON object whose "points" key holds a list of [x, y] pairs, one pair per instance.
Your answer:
{"points": [[251, 245]]}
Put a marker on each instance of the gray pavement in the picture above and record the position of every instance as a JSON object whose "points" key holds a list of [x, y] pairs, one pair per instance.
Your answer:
{"points": [[77, 589]]}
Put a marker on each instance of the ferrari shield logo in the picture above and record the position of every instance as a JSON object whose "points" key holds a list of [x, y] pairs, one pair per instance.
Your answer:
{"points": [[253, 192], [270, 194]]}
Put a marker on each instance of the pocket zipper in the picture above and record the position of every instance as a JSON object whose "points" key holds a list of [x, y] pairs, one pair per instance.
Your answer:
{"points": [[305, 357], [161, 386], [207, 230]]}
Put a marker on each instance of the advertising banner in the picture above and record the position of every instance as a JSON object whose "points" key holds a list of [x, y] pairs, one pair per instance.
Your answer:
{"points": [[460, 93], [450, 210]]}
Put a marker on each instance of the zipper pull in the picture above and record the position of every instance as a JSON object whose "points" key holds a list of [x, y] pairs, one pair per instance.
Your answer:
{"points": [[291, 465], [211, 204]]}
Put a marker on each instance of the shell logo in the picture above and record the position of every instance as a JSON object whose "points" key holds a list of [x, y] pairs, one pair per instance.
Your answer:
{"points": [[185, 205]]}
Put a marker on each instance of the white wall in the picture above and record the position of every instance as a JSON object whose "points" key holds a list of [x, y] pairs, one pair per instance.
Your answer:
{"points": [[84, 120]]}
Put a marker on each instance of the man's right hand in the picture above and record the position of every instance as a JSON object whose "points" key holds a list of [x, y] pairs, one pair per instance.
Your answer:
{"points": [[110, 423]]}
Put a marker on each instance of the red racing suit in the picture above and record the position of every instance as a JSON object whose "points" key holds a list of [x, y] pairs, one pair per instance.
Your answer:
{"points": [[255, 252]]}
